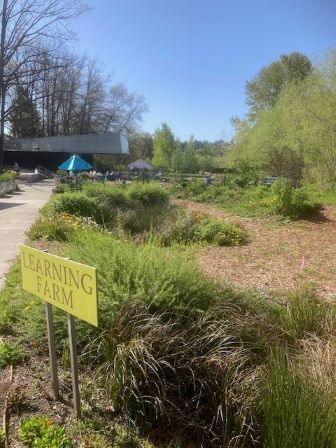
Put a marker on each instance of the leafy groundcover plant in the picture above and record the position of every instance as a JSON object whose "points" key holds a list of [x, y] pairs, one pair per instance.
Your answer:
{"points": [[41, 432]]}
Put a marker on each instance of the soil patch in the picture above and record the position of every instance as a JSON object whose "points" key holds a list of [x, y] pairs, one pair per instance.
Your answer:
{"points": [[30, 393]]}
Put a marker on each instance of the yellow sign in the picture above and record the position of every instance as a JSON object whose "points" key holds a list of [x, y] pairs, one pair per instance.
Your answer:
{"points": [[68, 285]]}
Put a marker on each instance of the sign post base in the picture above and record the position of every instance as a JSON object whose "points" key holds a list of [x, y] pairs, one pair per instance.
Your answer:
{"points": [[74, 365], [52, 349]]}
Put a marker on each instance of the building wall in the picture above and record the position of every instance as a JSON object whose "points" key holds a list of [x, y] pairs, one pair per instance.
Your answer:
{"points": [[50, 152], [112, 143], [30, 160]]}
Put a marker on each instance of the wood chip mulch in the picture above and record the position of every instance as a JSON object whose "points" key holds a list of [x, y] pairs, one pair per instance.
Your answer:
{"points": [[279, 256]]}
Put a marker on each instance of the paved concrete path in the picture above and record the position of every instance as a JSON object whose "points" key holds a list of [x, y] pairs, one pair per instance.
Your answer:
{"points": [[17, 212]]}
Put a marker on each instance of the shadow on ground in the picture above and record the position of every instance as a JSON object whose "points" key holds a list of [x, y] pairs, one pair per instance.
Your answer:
{"points": [[5, 205], [318, 217]]}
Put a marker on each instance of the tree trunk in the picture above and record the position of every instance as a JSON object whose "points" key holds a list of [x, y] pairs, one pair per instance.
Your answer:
{"points": [[2, 82]]}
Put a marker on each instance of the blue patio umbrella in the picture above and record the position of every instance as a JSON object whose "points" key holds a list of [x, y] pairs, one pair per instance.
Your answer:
{"points": [[75, 163]]}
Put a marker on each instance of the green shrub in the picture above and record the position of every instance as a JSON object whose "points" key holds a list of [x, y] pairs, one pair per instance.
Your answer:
{"points": [[74, 204], [240, 195], [10, 354], [54, 437], [30, 321], [7, 176], [321, 193], [243, 174], [215, 193], [145, 273], [147, 194], [32, 429], [295, 412], [135, 208], [195, 187], [291, 202], [52, 227], [138, 193], [39, 432], [248, 201], [186, 228], [8, 313], [163, 280], [111, 196], [60, 226], [220, 232], [166, 281], [60, 189]]}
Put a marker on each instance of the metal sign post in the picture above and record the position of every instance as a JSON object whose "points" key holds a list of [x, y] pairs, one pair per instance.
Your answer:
{"points": [[52, 349], [70, 286], [74, 365]]}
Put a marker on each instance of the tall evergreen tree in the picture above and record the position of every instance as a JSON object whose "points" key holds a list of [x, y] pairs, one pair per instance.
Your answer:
{"points": [[24, 118]]}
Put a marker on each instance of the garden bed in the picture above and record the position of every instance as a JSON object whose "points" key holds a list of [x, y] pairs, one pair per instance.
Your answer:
{"points": [[179, 357]]}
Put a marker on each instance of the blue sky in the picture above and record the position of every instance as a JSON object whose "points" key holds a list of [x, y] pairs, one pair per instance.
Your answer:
{"points": [[191, 58]]}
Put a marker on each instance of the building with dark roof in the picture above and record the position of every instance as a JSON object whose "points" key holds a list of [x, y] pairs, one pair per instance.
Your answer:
{"points": [[50, 152]]}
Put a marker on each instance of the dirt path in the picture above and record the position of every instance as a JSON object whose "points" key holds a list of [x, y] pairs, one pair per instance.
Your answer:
{"points": [[279, 256]]}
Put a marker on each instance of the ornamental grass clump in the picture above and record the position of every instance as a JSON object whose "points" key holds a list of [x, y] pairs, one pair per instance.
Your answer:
{"points": [[307, 314], [295, 412], [197, 376], [179, 227]]}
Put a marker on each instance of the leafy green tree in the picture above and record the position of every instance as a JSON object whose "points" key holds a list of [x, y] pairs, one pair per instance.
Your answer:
{"points": [[24, 118], [297, 136], [187, 157], [285, 162], [263, 91], [141, 146], [191, 158], [207, 157], [164, 147]]}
